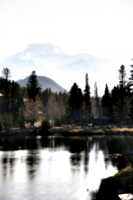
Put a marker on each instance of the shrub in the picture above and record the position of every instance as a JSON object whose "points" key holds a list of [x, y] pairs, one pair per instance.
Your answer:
{"points": [[58, 122], [7, 121], [45, 126]]}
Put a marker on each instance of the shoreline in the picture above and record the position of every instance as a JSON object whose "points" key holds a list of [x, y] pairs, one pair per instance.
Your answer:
{"points": [[68, 131], [125, 175]]}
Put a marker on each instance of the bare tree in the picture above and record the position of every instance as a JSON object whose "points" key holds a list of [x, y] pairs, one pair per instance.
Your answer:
{"points": [[34, 111], [6, 73], [54, 109]]}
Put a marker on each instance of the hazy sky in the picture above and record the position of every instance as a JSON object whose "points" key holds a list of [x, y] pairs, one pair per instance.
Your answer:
{"points": [[98, 27]]}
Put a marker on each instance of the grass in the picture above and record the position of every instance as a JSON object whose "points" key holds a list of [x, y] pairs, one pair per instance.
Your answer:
{"points": [[95, 130]]}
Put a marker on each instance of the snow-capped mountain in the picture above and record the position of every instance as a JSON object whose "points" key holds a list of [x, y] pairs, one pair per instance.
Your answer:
{"points": [[49, 60]]}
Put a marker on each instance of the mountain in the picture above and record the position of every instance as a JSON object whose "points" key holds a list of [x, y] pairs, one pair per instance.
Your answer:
{"points": [[50, 61], [45, 83]]}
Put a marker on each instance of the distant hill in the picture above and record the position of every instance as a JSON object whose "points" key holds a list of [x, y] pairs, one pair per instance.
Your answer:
{"points": [[45, 83]]}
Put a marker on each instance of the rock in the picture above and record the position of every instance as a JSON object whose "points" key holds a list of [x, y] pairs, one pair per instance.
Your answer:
{"points": [[108, 190], [125, 180]]}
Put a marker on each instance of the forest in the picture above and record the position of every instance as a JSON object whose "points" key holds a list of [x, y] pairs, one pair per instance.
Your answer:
{"points": [[28, 106]]}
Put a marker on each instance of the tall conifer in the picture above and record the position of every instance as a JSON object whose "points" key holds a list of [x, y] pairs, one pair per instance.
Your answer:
{"points": [[122, 84], [33, 88], [106, 102], [87, 99], [131, 78], [75, 105]]}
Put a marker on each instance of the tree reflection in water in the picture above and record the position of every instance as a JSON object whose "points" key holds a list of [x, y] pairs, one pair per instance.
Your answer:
{"points": [[8, 163], [32, 161], [75, 159], [12, 161], [4, 162], [57, 162], [86, 161]]}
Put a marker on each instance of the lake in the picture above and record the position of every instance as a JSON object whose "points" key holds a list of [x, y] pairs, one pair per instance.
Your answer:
{"points": [[57, 168]]}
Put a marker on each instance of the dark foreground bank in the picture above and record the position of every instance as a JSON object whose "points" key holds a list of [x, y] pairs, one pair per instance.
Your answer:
{"points": [[121, 183]]}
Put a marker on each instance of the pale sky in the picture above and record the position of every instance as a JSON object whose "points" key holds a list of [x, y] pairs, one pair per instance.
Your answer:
{"points": [[103, 28]]}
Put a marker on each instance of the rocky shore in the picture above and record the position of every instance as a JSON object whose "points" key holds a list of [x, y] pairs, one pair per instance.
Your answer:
{"points": [[121, 183]]}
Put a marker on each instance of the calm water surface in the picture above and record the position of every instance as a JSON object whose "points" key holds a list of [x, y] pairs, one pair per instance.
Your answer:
{"points": [[56, 168]]}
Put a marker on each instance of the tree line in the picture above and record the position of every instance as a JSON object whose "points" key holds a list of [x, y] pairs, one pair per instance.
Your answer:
{"points": [[115, 107], [20, 106]]}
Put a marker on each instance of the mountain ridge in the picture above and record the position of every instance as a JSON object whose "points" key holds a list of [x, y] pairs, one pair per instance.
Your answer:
{"points": [[50, 61], [44, 82]]}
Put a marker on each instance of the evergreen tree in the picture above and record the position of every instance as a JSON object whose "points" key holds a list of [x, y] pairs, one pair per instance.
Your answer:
{"points": [[106, 102], [97, 103], [45, 126], [33, 88], [6, 89], [122, 79], [14, 100], [122, 92], [46, 94], [75, 105], [131, 78], [120, 99], [87, 100], [11, 100], [21, 118], [115, 104]]}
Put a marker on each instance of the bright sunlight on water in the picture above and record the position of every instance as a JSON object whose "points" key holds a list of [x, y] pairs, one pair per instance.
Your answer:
{"points": [[59, 168]]}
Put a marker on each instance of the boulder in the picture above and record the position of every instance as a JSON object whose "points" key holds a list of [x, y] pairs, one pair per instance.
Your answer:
{"points": [[108, 190]]}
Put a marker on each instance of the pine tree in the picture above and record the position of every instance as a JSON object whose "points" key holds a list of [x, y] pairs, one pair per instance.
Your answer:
{"points": [[131, 78], [6, 89], [122, 84], [75, 105], [106, 102], [21, 118], [122, 78], [87, 100], [97, 103], [33, 88]]}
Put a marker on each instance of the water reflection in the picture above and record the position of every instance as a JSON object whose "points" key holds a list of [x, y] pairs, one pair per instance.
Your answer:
{"points": [[32, 161], [86, 160], [108, 144], [4, 162], [75, 159], [57, 166]]}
